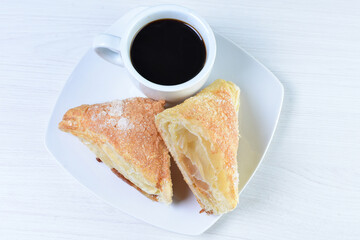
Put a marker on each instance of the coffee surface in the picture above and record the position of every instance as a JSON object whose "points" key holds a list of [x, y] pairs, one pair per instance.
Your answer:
{"points": [[168, 52]]}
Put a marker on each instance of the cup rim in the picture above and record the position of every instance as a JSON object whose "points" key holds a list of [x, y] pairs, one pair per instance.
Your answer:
{"points": [[211, 49]]}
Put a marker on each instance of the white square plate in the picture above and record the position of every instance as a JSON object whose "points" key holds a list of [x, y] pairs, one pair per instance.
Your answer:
{"points": [[95, 80]]}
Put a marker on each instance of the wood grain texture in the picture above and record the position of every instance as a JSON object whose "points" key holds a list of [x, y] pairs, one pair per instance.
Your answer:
{"points": [[308, 187]]}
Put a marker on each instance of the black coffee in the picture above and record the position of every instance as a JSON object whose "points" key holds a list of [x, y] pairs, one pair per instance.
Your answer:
{"points": [[168, 52]]}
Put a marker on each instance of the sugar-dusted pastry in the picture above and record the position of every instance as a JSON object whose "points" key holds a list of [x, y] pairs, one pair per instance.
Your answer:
{"points": [[123, 135], [202, 135]]}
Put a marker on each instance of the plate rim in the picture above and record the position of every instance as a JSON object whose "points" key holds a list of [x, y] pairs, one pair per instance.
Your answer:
{"points": [[279, 111]]}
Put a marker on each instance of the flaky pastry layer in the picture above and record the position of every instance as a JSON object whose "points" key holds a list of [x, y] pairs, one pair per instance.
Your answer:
{"points": [[202, 135], [123, 135]]}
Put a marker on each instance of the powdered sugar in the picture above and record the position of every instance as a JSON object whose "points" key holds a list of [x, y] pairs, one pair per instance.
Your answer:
{"points": [[95, 116], [123, 124], [112, 116], [116, 108]]}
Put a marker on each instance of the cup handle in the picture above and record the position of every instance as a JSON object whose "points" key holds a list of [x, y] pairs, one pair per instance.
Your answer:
{"points": [[107, 46]]}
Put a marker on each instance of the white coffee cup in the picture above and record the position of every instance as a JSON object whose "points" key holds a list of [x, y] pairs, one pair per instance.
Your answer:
{"points": [[114, 46]]}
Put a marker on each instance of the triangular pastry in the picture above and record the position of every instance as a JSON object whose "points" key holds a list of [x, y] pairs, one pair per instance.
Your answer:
{"points": [[123, 135], [202, 135]]}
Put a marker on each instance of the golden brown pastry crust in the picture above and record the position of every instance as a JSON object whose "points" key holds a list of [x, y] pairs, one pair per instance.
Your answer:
{"points": [[211, 116], [128, 127]]}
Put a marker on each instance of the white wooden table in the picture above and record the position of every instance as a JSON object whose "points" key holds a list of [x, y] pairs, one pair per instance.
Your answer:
{"points": [[308, 187]]}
